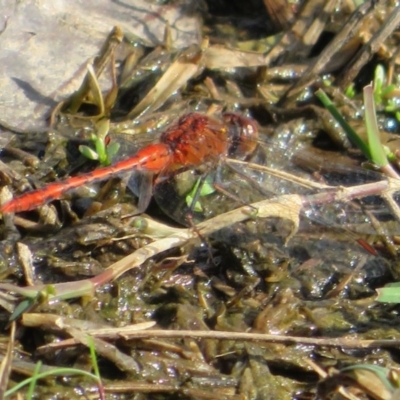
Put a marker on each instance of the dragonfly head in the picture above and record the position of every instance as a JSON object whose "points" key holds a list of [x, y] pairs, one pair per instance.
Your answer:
{"points": [[243, 134]]}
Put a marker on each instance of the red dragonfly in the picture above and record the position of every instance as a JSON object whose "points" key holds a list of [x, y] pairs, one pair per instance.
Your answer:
{"points": [[193, 140], [190, 142]]}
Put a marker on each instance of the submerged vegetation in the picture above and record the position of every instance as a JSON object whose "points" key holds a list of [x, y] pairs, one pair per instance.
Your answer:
{"points": [[250, 272]]}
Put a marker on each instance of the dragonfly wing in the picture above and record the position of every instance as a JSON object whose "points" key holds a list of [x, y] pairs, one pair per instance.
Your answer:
{"points": [[141, 185]]}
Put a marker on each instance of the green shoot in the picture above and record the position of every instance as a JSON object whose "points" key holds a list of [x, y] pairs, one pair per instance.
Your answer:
{"points": [[30, 302], [350, 92], [390, 293], [373, 148], [206, 188], [33, 381], [386, 95], [379, 81], [376, 150], [52, 372], [350, 132], [95, 365], [102, 152]]}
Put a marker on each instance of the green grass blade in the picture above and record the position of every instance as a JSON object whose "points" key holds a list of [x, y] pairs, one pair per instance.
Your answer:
{"points": [[54, 372], [32, 384], [388, 294], [350, 132], [95, 365], [376, 149]]}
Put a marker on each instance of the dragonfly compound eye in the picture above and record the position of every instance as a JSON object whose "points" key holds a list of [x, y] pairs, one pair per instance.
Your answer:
{"points": [[243, 133]]}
